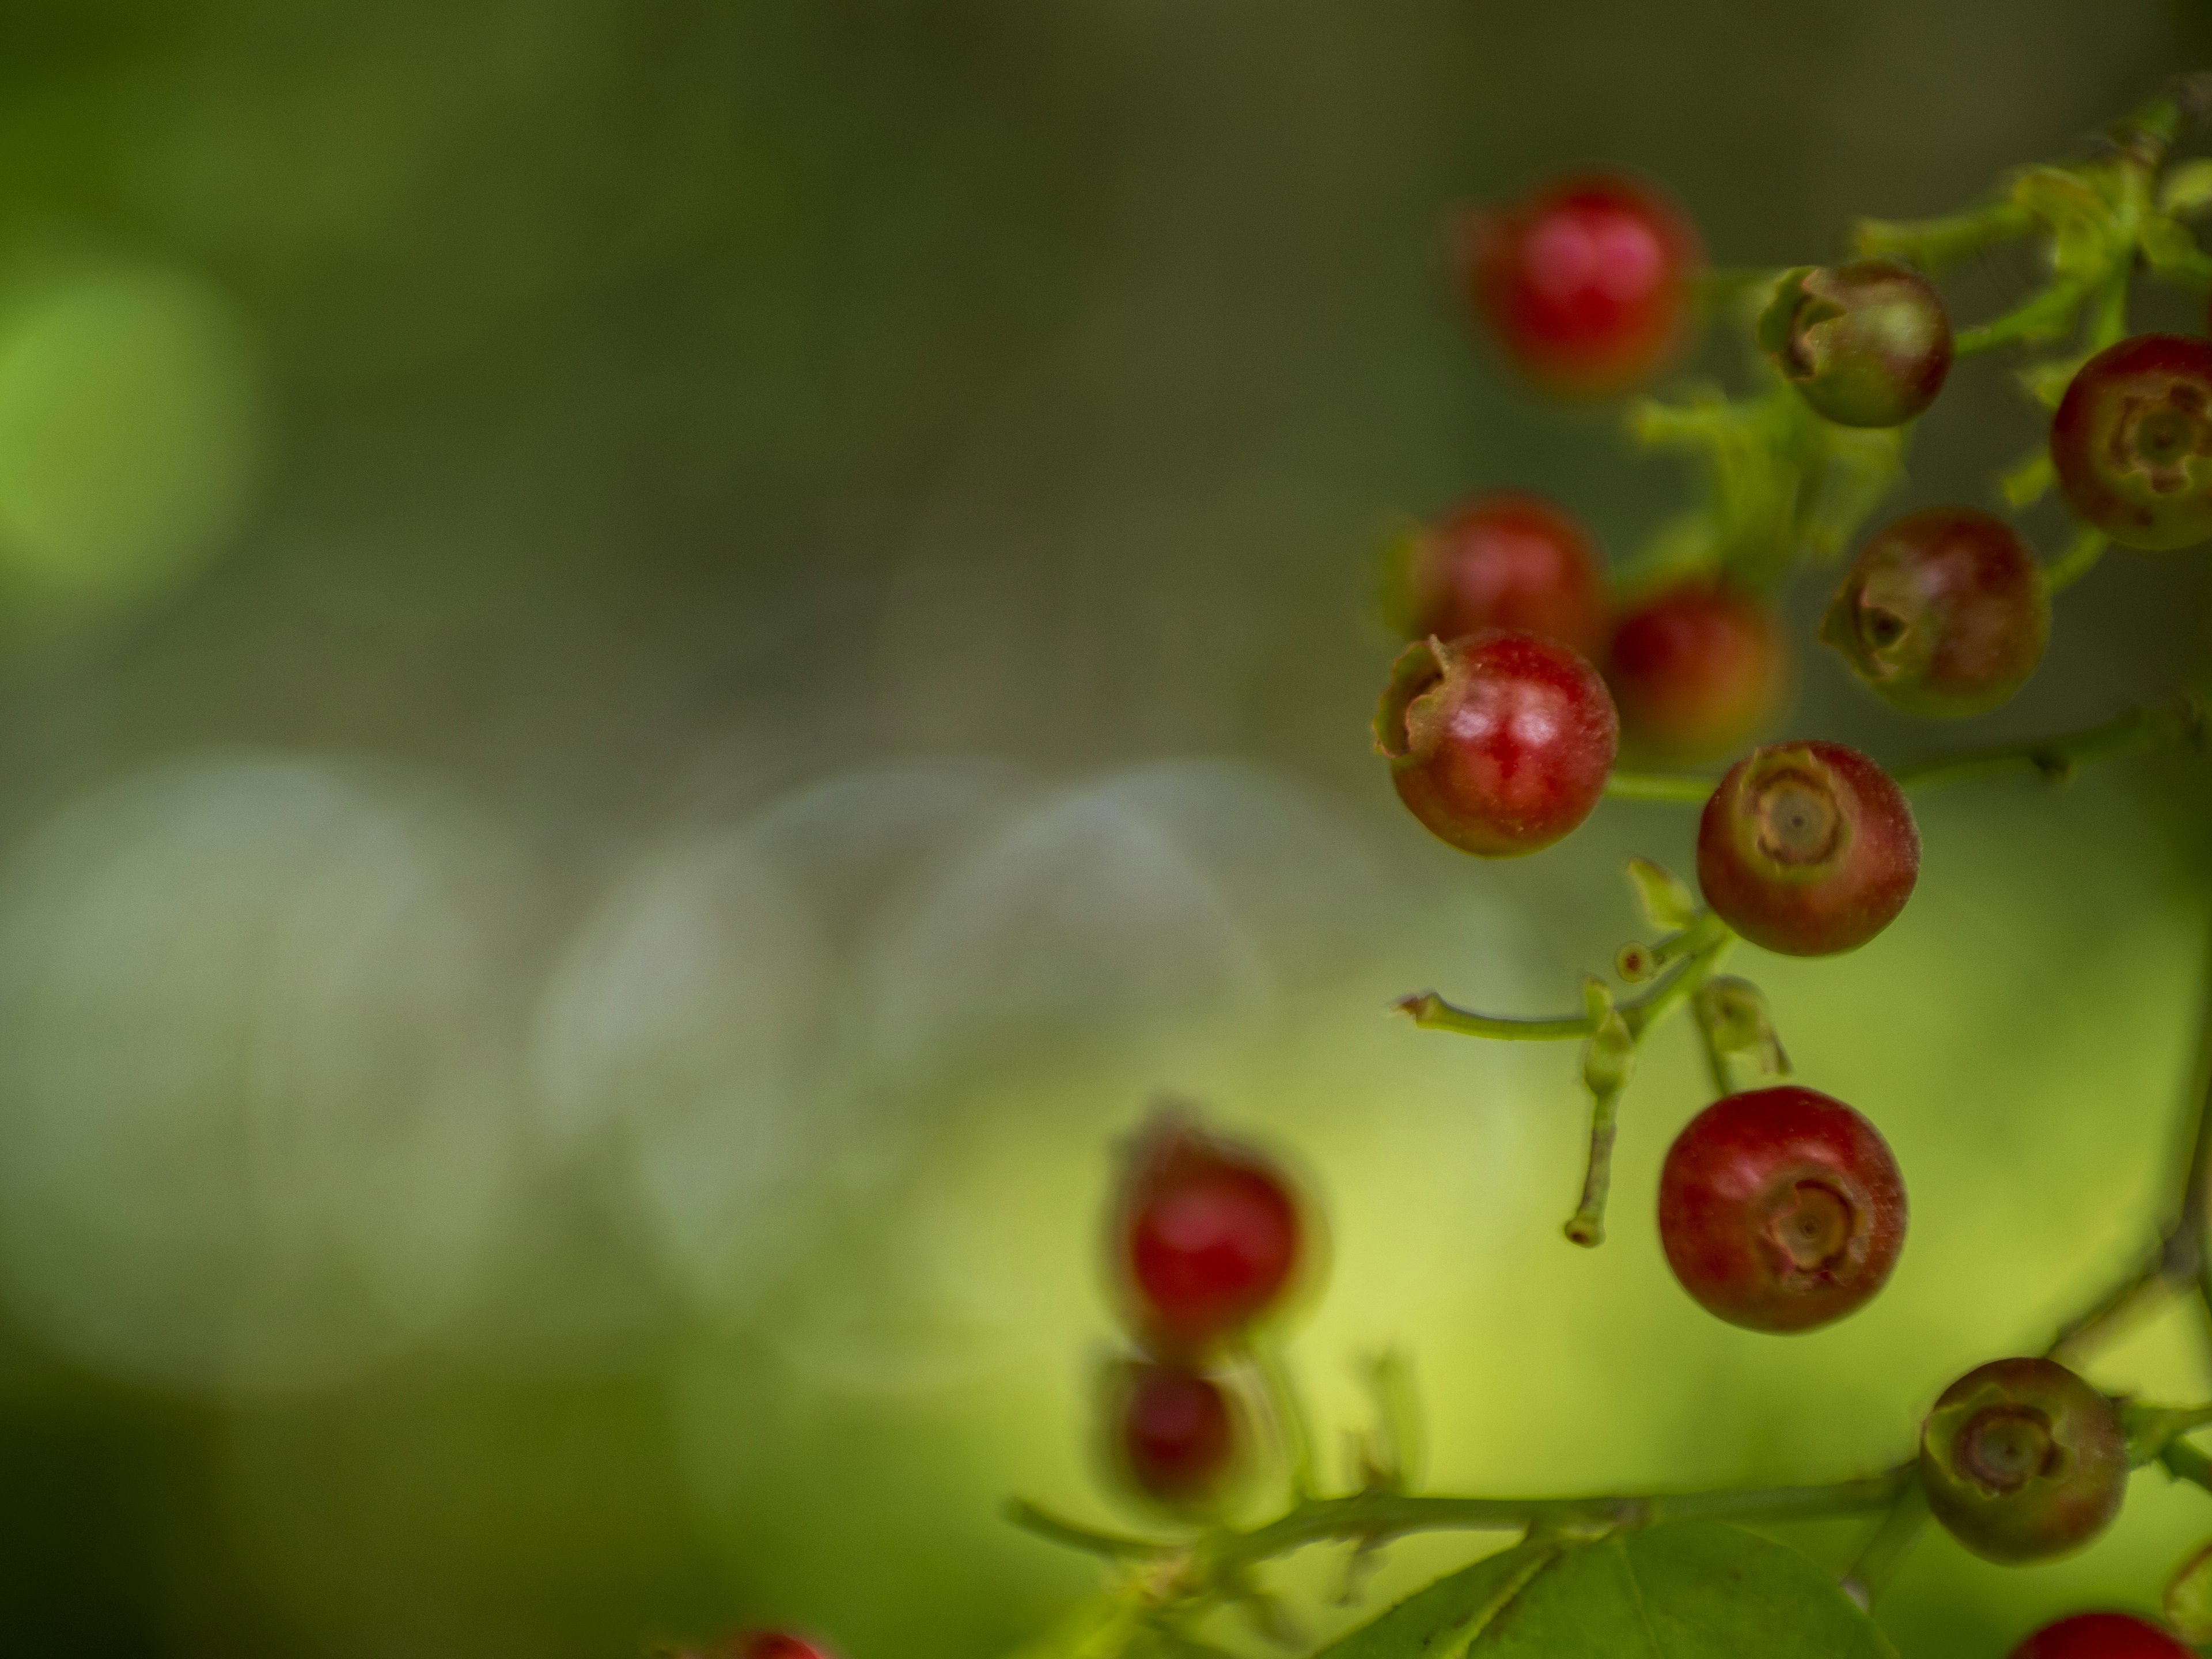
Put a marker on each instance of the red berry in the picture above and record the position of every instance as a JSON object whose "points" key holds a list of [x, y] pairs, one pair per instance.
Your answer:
{"points": [[1584, 282], [1781, 1209], [1208, 1234], [2021, 1460], [2132, 442], [1945, 613], [1807, 848], [1696, 669], [1506, 560], [1498, 742], [2102, 1636], [1869, 343], [1177, 1438]]}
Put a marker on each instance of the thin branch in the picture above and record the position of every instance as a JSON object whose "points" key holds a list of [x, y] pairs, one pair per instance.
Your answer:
{"points": [[1374, 1516], [2077, 561], [1116, 1546], [2151, 726], [2185, 1463], [1885, 1550]]}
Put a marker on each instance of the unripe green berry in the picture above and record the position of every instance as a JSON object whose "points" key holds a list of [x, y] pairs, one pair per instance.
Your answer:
{"points": [[2022, 1460], [1869, 343]]}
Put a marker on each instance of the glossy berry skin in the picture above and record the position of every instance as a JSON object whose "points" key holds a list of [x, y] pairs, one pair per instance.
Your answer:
{"points": [[2021, 1460], [1584, 284], [1781, 1209], [1175, 1433], [1505, 560], [1945, 613], [1868, 344], [1695, 670], [757, 1644], [2102, 1636], [2132, 442], [1807, 848], [1207, 1236], [1499, 742]]}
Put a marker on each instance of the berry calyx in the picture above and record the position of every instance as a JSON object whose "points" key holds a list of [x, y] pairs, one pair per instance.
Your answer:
{"points": [[1696, 669], [1499, 742], [1781, 1209], [1207, 1236], [1945, 612], [2132, 442], [2021, 1460], [1867, 344], [2102, 1636], [1807, 848], [1505, 560], [1584, 282], [1175, 1433]]}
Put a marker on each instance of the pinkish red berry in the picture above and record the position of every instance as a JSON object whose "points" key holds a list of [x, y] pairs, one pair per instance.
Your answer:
{"points": [[1781, 1209], [1177, 1432], [1208, 1234], [2022, 1460], [2132, 442], [1807, 848], [1945, 612], [1696, 669], [1506, 560], [1585, 283], [1499, 742]]}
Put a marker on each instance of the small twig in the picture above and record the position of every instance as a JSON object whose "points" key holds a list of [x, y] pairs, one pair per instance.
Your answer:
{"points": [[2077, 561], [1286, 1406], [1117, 1546], [1885, 1550], [2151, 725]]}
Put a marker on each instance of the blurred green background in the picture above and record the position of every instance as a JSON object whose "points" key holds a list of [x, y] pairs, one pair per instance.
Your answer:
{"points": [[658, 658]]}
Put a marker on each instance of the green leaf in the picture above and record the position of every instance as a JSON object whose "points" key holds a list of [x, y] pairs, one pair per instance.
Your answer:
{"points": [[1692, 1590], [1438, 1622]]}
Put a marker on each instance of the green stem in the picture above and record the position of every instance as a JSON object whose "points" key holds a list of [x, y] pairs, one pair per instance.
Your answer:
{"points": [[2047, 316], [1432, 1013], [1116, 1546], [1586, 1227], [1885, 1550], [2181, 1261], [2185, 1463], [1387, 1515], [2150, 725], [1681, 786], [1938, 242], [2077, 561]]}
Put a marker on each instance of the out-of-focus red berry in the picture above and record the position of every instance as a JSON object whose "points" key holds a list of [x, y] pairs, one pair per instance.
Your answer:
{"points": [[2132, 442], [1807, 848], [2102, 1636], [1177, 1432], [1499, 742], [1945, 612], [1781, 1209], [1696, 669], [1208, 1234], [1584, 284], [1505, 560]]}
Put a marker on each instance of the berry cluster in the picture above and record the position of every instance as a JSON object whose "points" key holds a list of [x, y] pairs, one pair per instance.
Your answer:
{"points": [[1528, 671], [1209, 1240]]}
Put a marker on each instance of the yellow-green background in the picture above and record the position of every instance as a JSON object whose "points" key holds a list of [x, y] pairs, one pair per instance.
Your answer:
{"points": [[659, 657]]}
